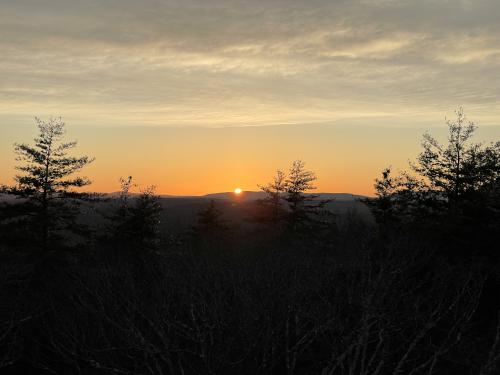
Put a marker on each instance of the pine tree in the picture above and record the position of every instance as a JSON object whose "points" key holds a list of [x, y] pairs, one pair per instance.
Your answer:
{"points": [[288, 200], [445, 178], [46, 181], [210, 219], [274, 209], [211, 233], [460, 169], [452, 186], [302, 206], [136, 218]]}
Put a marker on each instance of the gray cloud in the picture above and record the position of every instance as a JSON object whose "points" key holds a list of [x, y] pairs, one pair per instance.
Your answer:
{"points": [[241, 62]]}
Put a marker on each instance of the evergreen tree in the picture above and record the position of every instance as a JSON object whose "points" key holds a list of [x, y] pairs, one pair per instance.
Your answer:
{"points": [[46, 182], [274, 210], [453, 186], [402, 198], [287, 200], [461, 170], [211, 232], [136, 218], [305, 209], [450, 179], [210, 219]]}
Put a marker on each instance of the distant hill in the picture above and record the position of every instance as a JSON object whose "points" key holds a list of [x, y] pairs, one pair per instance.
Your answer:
{"points": [[180, 213], [253, 195], [244, 196]]}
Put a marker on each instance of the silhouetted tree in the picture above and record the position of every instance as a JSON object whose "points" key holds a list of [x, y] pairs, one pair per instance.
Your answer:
{"points": [[447, 178], [273, 207], [287, 200], [210, 219], [46, 181], [452, 186], [383, 207], [460, 169], [210, 230], [137, 218], [305, 209], [401, 199]]}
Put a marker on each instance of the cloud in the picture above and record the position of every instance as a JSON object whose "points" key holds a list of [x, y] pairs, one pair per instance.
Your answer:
{"points": [[247, 62]]}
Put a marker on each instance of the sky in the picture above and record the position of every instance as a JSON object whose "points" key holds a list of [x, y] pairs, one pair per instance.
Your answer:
{"points": [[204, 96]]}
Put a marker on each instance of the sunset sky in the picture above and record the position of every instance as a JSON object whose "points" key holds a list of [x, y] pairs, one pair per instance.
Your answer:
{"points": [[208, 95]]}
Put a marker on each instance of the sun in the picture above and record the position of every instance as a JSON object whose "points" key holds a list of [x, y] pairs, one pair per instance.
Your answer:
{"points": [[237, 191]]}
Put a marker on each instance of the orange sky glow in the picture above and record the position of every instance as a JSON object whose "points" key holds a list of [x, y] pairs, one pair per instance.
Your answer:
{"points": [[197, 96], [197, 161]]}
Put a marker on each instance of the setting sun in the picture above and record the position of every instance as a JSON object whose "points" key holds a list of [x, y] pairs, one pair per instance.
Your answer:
{"points": [[237, 191]]}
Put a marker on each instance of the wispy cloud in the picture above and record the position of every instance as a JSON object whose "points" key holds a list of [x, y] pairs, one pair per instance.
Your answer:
{"points": [[247, 62]]}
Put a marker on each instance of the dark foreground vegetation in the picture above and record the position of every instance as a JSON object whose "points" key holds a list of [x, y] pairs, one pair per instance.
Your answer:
{"points": [[298, 290]]}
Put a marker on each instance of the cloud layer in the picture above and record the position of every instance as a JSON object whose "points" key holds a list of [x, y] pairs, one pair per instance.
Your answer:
{"points": [[260, 62]]}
